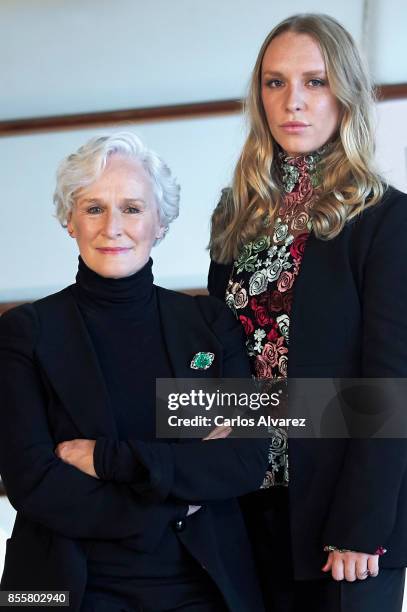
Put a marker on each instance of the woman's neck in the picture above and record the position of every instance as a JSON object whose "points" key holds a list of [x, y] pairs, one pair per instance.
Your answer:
{"points": [[122, 295], [295, 168]]}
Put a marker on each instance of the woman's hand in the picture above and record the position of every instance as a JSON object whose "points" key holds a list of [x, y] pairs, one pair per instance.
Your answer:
{"points": [[219, 432], [222, 431], [351, 565], [78, 453]]}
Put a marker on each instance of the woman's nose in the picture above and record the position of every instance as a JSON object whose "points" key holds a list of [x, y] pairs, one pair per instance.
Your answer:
{"points": [[295, 99], [113, 225]]}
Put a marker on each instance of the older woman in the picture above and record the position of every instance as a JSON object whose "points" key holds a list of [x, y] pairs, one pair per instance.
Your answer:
{"points": [[317, 242], [108, 521]]}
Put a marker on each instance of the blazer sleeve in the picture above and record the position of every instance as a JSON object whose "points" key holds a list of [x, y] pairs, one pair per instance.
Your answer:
{"points": [[218, 278], [193, 471], [39, 485], [366, 500]]}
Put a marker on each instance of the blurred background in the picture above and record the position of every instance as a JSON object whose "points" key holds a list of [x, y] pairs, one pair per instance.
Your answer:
{"points": [[67, 69]]}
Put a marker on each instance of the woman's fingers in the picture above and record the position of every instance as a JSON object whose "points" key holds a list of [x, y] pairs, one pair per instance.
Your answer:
{"points": [[362, 571], [79, 454], [328, 563], [222, 431], [373, 565], [338, 567], [351, 566], [63, 449]]}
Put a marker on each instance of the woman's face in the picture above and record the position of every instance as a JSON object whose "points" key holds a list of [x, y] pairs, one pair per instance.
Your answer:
{"points": [[115, 220], [302, 112]]}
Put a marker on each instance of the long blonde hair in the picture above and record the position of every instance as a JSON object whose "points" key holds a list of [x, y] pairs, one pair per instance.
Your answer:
{"points": [[350, 182]]}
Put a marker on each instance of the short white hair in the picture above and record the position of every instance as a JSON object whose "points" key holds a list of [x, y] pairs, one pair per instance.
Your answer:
{"points": [[83, 167]]}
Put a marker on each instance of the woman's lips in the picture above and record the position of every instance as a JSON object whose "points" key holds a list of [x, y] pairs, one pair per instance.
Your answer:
{"points": [[294, 127], [113, 250]]}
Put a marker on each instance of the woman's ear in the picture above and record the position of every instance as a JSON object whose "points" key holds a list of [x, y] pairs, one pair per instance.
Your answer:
{"points": [[70, 227], [161, 232]]}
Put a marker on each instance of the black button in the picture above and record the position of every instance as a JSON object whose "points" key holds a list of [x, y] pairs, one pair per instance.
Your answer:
{"points": [[180, 525]]}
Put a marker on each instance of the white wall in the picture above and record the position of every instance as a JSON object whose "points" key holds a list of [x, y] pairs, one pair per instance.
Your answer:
{"points": [[7, 515], [386, 43], [39, 255], [392, 142], [68, 56]]}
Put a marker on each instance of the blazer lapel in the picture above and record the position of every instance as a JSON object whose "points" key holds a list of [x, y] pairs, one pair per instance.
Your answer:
{"points": [[186, 333], [67, 356]]}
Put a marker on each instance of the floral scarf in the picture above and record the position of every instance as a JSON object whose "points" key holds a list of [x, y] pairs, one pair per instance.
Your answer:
{"points": [[260, 289]]}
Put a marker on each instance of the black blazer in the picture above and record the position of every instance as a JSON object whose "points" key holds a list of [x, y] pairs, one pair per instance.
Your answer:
{"points": [[51, 389], [348, 319]]}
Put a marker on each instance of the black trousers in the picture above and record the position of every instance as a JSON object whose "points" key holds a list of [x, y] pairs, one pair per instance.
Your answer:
{"points": [[267, 518], [381, 594], [187, 597], [121, 579]]}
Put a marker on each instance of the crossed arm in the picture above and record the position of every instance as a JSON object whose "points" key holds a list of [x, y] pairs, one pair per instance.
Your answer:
{"points": [[343, 565], [68, 500]]}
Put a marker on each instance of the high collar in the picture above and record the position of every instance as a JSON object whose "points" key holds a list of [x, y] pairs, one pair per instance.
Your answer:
{"points": [[131, 294], [294, 169]]}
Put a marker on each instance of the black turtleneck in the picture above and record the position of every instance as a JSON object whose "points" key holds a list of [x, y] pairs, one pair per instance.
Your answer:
{"points": [[122, 318], [123, 322]]}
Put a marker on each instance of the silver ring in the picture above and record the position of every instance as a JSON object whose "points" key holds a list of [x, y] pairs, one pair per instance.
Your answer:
{"points": [[365, 574]]}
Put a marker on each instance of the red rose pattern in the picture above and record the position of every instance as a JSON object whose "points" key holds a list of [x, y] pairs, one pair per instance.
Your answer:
{"points": [[270, 356], [285, 281], [272, 335], [247, 324], [263, 368], [268, 348], [298, 246], [273, 350]]}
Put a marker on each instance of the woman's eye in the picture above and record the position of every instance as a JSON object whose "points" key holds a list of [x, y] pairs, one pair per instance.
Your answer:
{"points": [[317, 82], [132, 210], [94, 210], [274, 83]]}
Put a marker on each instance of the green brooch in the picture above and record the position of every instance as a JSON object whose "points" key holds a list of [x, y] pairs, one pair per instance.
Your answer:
{"points": [[202, 361]]}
